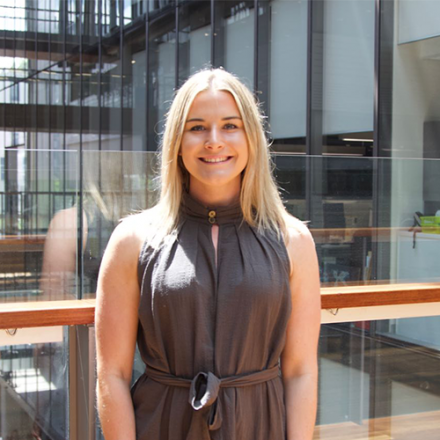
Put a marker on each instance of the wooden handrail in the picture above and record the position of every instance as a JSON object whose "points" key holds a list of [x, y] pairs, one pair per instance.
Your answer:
{"points": [[47, 313], [379, 295], [77, 312], [6, 240]]}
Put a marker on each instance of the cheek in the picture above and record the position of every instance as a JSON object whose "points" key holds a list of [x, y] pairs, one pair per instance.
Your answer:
{"points": [[187, 146]]}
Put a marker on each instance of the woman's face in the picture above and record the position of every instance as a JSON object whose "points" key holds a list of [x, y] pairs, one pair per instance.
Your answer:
{"points": [[214, 146]]}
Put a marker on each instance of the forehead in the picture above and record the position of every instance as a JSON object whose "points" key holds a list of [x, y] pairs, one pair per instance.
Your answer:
{"points": [[213, 101]]}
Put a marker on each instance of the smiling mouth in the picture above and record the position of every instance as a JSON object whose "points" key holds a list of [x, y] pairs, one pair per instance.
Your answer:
{"points": [[215, 159]]}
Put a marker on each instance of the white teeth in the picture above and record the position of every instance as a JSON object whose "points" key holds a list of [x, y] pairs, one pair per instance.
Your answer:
{"points": [[214, 160]]}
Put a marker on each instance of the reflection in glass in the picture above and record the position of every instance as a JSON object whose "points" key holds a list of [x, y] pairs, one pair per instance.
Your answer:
{"points": [[39, 200], [115, 185], [39, 222], [31, 193]]}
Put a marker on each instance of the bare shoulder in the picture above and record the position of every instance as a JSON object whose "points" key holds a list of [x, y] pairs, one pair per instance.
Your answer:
{"points": [[299, 243], [130, 233], [65, 218]]}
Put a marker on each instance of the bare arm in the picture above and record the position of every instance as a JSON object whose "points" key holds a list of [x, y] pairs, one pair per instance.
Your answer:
{"points": [[299, 359], [59, 255], [116, 321]]}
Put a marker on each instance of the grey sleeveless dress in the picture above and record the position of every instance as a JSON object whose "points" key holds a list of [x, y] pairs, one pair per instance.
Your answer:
{"points": [[211, 333]]}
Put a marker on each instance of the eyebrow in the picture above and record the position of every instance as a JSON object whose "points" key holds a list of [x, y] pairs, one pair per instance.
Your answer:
{"points": [[223, 119]]}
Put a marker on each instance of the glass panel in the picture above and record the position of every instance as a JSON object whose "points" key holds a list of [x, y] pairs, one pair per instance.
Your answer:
{"points": [[234, 38], [379, 380], [115, 185], [110, 16], [347, 77], [342, 207], [194, 38], [111, 91], [38, 225], [415, 99], [134, 76], [34, 383], [134, 10], [417, 20], [161, 74], [405, 248], [410, 108], [282, 71]]}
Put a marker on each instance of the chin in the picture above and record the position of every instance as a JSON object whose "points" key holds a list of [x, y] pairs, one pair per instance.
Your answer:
{"points": [[220, 181]]}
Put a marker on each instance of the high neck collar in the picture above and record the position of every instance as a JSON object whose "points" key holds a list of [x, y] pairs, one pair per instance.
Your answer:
{"points": [[192, 208]]}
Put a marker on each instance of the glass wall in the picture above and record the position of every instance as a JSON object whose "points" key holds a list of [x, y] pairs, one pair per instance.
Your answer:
{"points": [[348, 77], [38, 192], [34, 384], [376, 386], [282, 72], [195, 38], [351, 98]]}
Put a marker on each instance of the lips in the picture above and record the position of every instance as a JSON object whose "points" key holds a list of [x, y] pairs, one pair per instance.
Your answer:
{"points": [[218, 159]]}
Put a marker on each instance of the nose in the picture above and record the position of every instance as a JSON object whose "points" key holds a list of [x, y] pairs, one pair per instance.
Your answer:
{"points": [[214, 139]]}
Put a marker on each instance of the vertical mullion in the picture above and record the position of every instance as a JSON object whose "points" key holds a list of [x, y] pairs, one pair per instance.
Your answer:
{"points": [[36, 117], [256, 48], [147, 73], [121, 60], [309, 111], [15, 82], [3, 86], [314, 168], [212, 32], [81, 183], [99, 12], [50, 112], [26, 107], [176, 24], [376, 128], [64, 21], [377, 33], [99, 80], [383, 74]]}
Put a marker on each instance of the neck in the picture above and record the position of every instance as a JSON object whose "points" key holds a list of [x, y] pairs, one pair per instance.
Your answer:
{"points": [[211, 196]]}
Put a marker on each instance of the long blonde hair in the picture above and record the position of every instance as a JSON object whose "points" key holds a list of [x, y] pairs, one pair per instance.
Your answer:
{"points": [[259, 196]]}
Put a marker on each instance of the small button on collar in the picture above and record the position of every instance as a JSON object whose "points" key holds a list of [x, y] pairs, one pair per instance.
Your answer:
{"points": [[211, 217]]}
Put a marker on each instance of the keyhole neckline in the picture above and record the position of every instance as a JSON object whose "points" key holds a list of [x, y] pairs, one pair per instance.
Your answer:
{"points": [[210, 215]]}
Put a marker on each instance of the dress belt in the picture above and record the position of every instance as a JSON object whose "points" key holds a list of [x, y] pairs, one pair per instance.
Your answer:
{"points": [[204, 388]]}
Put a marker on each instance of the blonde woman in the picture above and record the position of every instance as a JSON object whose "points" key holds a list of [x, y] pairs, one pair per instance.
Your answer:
{"points": [[218, 285]]}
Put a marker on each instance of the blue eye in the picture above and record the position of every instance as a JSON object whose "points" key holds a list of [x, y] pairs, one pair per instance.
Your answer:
{"points": [[197, 128], [230, 126]]}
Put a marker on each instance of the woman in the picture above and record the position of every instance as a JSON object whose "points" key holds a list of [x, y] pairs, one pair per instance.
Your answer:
{"points": [[217, 283]]}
